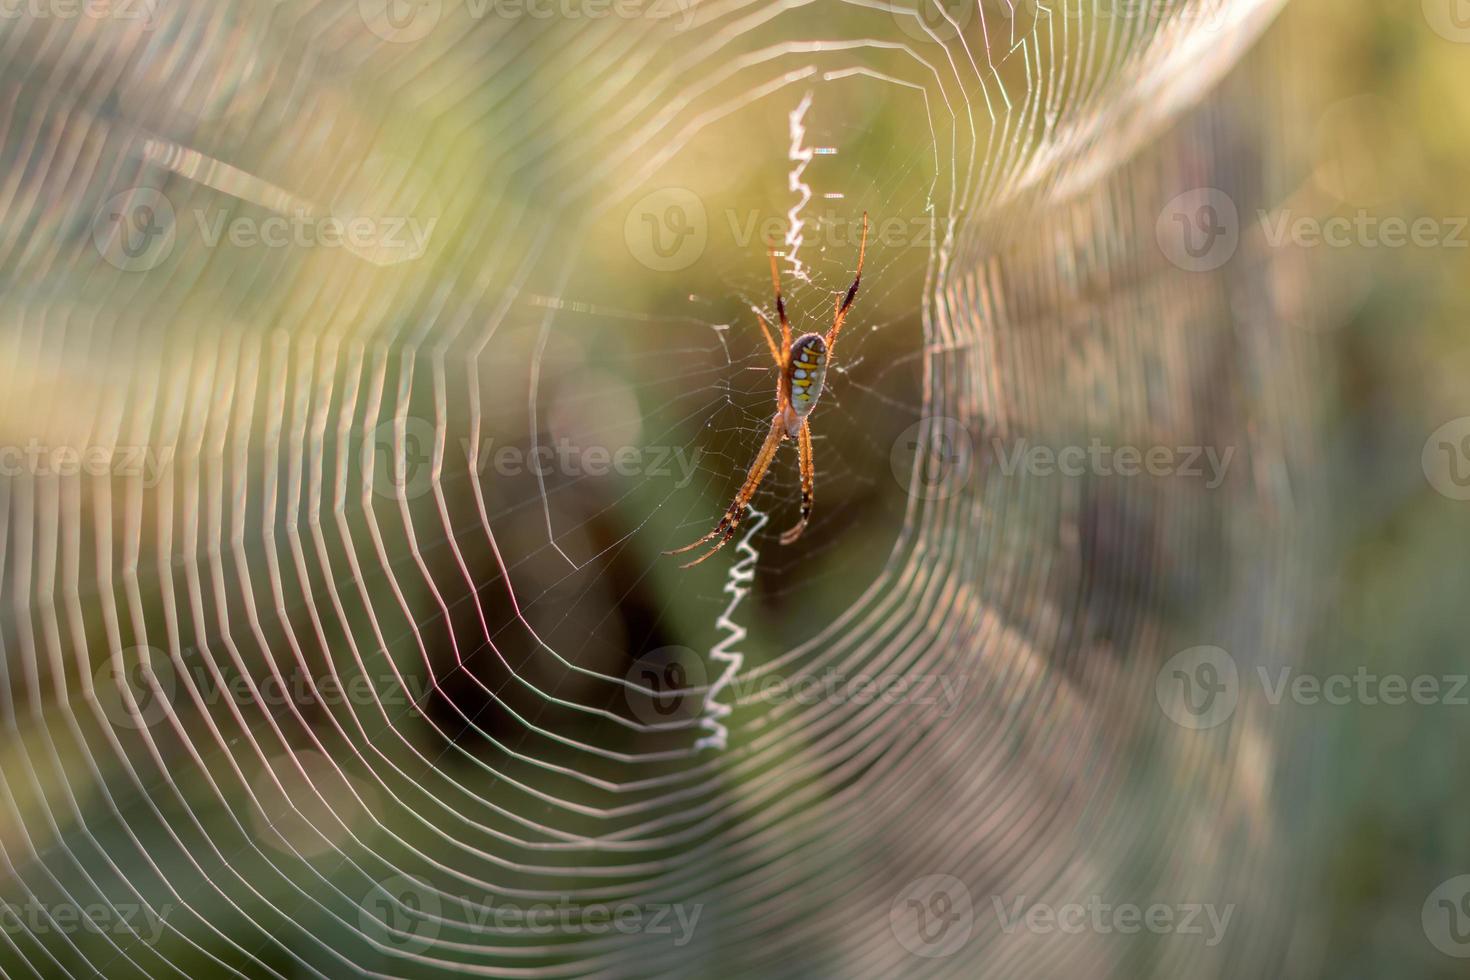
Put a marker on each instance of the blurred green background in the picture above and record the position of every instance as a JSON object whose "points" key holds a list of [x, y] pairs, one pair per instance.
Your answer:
{"points": [[1019, 286]]}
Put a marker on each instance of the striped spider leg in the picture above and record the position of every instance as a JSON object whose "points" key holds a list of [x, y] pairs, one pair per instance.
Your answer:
{"points": [[803, 369]]}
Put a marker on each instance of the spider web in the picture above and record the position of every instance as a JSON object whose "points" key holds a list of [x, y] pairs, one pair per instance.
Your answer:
{"points": [[367, 672]]}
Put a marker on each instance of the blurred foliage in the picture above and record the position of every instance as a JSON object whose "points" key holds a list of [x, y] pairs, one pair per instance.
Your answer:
{"points": [[1373, 115]]}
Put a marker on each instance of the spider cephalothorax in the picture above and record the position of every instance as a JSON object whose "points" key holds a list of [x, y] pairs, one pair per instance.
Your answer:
{"points": [[803, 366]]}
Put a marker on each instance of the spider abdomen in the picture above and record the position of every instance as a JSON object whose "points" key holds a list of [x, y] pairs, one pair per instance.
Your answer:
{"points": [[807, 371]]}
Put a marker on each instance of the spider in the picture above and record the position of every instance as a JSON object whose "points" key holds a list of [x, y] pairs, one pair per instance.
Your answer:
{"points": [[803, 366]]}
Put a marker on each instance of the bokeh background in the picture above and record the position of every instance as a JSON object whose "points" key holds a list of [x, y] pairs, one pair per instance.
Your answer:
{"points": [[362, 357]]}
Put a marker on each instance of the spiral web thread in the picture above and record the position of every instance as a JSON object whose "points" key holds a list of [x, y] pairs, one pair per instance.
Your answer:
{"points": [[463, 751]]}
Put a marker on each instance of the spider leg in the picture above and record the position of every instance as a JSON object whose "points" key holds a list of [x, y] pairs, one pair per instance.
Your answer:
{"points": [[725, 530], [808, 484], [780, 307], [842, 307], [771, 343]]}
